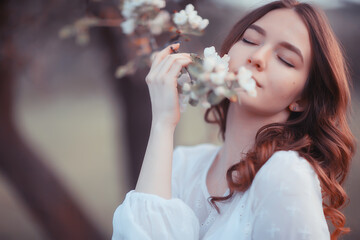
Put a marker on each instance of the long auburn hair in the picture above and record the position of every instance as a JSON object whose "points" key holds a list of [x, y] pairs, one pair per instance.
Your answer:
{"points": [[320, 133]]}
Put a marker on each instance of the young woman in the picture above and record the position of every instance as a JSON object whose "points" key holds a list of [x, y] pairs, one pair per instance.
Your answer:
{"points": [[285, 155]]}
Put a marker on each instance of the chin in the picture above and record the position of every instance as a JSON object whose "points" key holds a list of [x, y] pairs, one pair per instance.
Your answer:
{"points": [[253, 105], [246, 98]]}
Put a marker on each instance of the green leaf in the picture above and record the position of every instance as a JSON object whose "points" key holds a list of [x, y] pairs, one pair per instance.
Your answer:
{"points": [[196, 58], [193, 102], [230, 93], [199, 88], [214, 99], [194, 70]]}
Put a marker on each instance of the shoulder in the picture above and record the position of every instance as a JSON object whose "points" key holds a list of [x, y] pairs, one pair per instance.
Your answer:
{"points": [[289, 172], [286, 196], [288, 161]]}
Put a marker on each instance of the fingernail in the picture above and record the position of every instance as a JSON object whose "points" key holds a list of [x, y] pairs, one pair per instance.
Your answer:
{"points": [[172, 49]]}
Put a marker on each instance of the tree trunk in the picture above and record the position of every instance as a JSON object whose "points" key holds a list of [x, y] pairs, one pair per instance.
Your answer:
{"points": [[42, 193]]}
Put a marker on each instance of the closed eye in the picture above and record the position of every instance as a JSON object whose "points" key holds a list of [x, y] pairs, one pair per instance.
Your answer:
{"points": [[286, 63], [247, 41], [281, 59]]}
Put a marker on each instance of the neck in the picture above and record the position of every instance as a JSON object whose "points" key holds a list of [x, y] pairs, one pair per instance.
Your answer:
{"points": [[241, 129]]}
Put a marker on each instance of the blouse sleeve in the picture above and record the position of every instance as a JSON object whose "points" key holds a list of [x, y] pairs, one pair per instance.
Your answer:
{"points": [[288, 200], [150, 217]]}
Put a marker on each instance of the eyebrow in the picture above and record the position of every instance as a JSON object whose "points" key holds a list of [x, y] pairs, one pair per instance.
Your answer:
{"points": [[283, 44]]}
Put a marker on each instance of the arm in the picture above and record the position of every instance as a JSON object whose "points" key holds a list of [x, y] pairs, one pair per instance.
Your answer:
{"points": [[155, 174], [149, 212]]}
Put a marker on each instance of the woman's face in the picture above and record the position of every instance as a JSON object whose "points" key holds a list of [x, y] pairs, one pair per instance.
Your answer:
{"points": [[278, 47]]}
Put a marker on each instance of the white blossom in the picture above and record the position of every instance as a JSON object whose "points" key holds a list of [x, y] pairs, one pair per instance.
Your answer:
{"points": [[190, 18], [130, 7], [221, 90], [159, 23], [189, 8], [127, 10], [137, 3], [209, 51], [180, 18], [204, 76], [191, 13], [226, 58], [205, 104], [218, 72], [244, 73], [131, 10], [203, 24], [249, 86], [213, 71], [218, 77], [128, 26], [194, 96], [209, 64], [230, 76], [246, 81], [222, 66], [159, 3], [212, 61], [186, 87], [194, 21]]}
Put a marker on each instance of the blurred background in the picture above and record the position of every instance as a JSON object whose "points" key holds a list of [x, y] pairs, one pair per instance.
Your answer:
{"points": [[72, 136]]}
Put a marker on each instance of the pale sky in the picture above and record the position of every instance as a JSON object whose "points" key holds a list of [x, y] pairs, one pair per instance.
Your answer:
{"points": [[256, 3]]}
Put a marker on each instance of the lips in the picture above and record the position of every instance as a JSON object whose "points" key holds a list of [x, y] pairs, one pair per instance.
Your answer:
{"points": [[257, 83]]}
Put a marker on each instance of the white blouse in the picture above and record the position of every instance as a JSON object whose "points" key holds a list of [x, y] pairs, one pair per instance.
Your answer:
{"points": [[283, 202]]}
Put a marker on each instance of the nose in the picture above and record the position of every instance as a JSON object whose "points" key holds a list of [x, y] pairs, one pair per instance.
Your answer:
{"points": [[259, 58], [259, 66]]}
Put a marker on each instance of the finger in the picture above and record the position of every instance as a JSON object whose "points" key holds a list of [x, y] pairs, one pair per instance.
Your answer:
{"points": [[155, 67], [173, 57], [157, 70], [166, 51], [175, 70], [152, 56], [165, 65]]}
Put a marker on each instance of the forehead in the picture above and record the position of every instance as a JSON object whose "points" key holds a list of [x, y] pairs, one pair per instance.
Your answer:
{"points": [[286, 25]]}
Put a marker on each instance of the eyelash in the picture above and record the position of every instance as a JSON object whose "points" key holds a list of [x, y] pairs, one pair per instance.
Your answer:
{"points": [[282, 60], [286, 63], [247, 41]]}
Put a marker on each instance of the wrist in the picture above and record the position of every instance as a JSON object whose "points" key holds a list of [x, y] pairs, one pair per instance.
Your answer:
{"points": [[162, 125]]}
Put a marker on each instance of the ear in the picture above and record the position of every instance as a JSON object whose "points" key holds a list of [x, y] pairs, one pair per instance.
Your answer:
{"points": [[298, 106]]}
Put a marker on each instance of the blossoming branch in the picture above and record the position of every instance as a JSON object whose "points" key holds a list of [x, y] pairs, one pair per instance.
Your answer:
{"points": [[211, 80], [141, 21]]}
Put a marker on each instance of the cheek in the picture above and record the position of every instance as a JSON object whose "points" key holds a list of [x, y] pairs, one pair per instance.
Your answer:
{"points": [[286, 83], [287, 89], [237, 57]]}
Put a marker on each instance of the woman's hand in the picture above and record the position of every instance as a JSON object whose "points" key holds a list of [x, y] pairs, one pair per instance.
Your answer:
{"points": [[162, 83]]}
